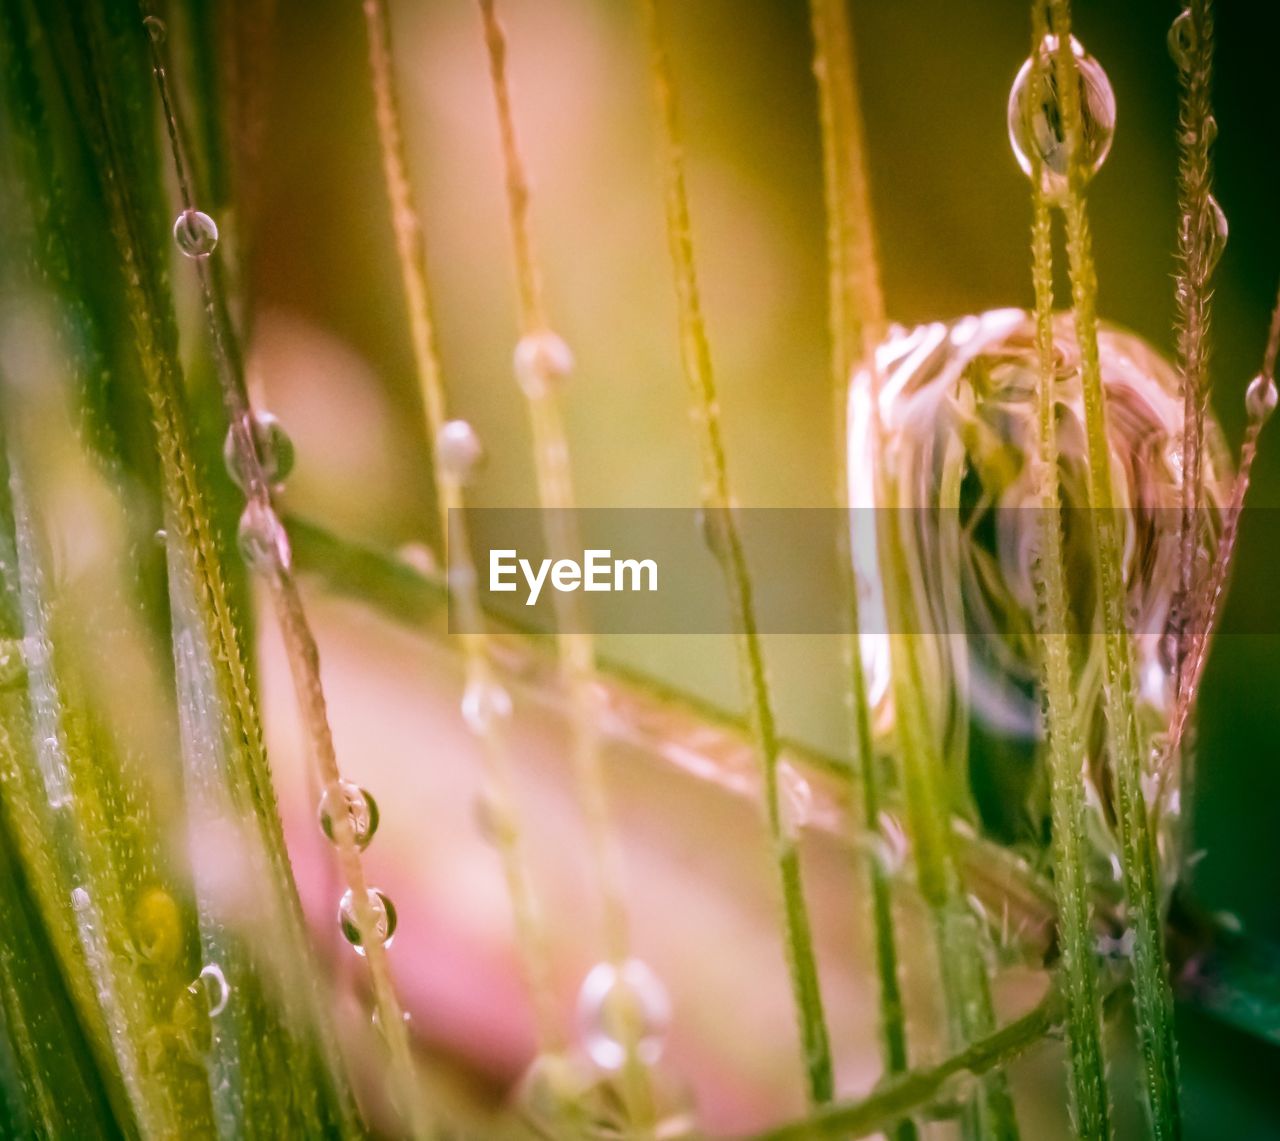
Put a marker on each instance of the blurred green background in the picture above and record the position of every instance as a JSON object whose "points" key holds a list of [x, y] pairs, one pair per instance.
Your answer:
{"points": [[953, 215]]}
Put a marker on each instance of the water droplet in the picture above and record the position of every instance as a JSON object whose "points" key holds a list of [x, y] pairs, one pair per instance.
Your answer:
{"points": [[357, 803], [274, 448], [263, 543], [1260, 398], [384, 919], [211, 986], [1204, 236], [459, 451], [542, 361], [161, 537], [419, 557], [484, 703], [1182, 40], [795, 799], [620, 1005], [155, 28], [195, 233], [888, 845], [1036, 128], [157, 927]]}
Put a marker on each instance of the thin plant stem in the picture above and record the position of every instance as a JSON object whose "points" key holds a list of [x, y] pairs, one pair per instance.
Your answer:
{"points": [[1153, 997], [575, 644], [717, 500], [1086, 1065], [412, 255], [1208, 609], [299, 641], [1197, 237], [856, 318], [901, 1095]]}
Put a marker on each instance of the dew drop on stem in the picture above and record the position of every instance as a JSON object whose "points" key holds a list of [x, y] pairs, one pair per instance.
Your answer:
{"points": [[1037, 131], [1260, 399], [211, 987], [1205, 238], [358, 804], [270, 441], [484, 704], [542, 362], [262, 540], [623, 1004], [195, 233], [384, 919], [459, 451], [1183, 40], [155, 28]]}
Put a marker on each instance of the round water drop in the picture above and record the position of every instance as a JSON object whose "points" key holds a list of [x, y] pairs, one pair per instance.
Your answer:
{"points": [[155, 28], [195, 233], [622, 1005], [263, 543], [211, 985], [357, 803], [1183, 40], [270, 441], [384, 919], [1205, 236], [459, 451], [1036, 128], [484, 703], [542, 361], [1260, 398]]}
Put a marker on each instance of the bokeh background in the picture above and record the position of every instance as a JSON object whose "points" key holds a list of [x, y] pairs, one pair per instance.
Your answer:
{"points": [[331, 357]]}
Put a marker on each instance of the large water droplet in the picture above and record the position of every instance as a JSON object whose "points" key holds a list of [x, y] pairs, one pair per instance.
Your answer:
{"points": [[1260, 398], [212, 988], [1036, 128], [274, 448], [484, 703], [384, 919], [621, 1005], [1183, 40], [459, 451], [195, 233], [155, 28], [263, 543], [358, 804], [542, 361], [1205, 235]]}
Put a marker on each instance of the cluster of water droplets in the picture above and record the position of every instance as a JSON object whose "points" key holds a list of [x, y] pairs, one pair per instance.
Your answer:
{"points": [[345, 800], [1037, 129]]}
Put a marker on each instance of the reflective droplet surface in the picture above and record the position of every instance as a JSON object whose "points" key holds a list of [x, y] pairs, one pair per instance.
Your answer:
{"points": [[618, 1005], [1260, 398], [360, 808], [211, 986], [274, 448], [1036, 128], [384, 919], [262, 540], [542, 362], [1182, 40], [195, 233], [1204, 235], [459, 451], [155, 28], [484, 703]]}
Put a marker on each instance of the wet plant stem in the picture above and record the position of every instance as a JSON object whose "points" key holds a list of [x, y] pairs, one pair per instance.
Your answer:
{"points": [[411, 253], [856, 317], [299, 641], [1086, 1065], [1153, 998], [901, 1095], [717, 502], [574, 642], [1193, 296]]}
